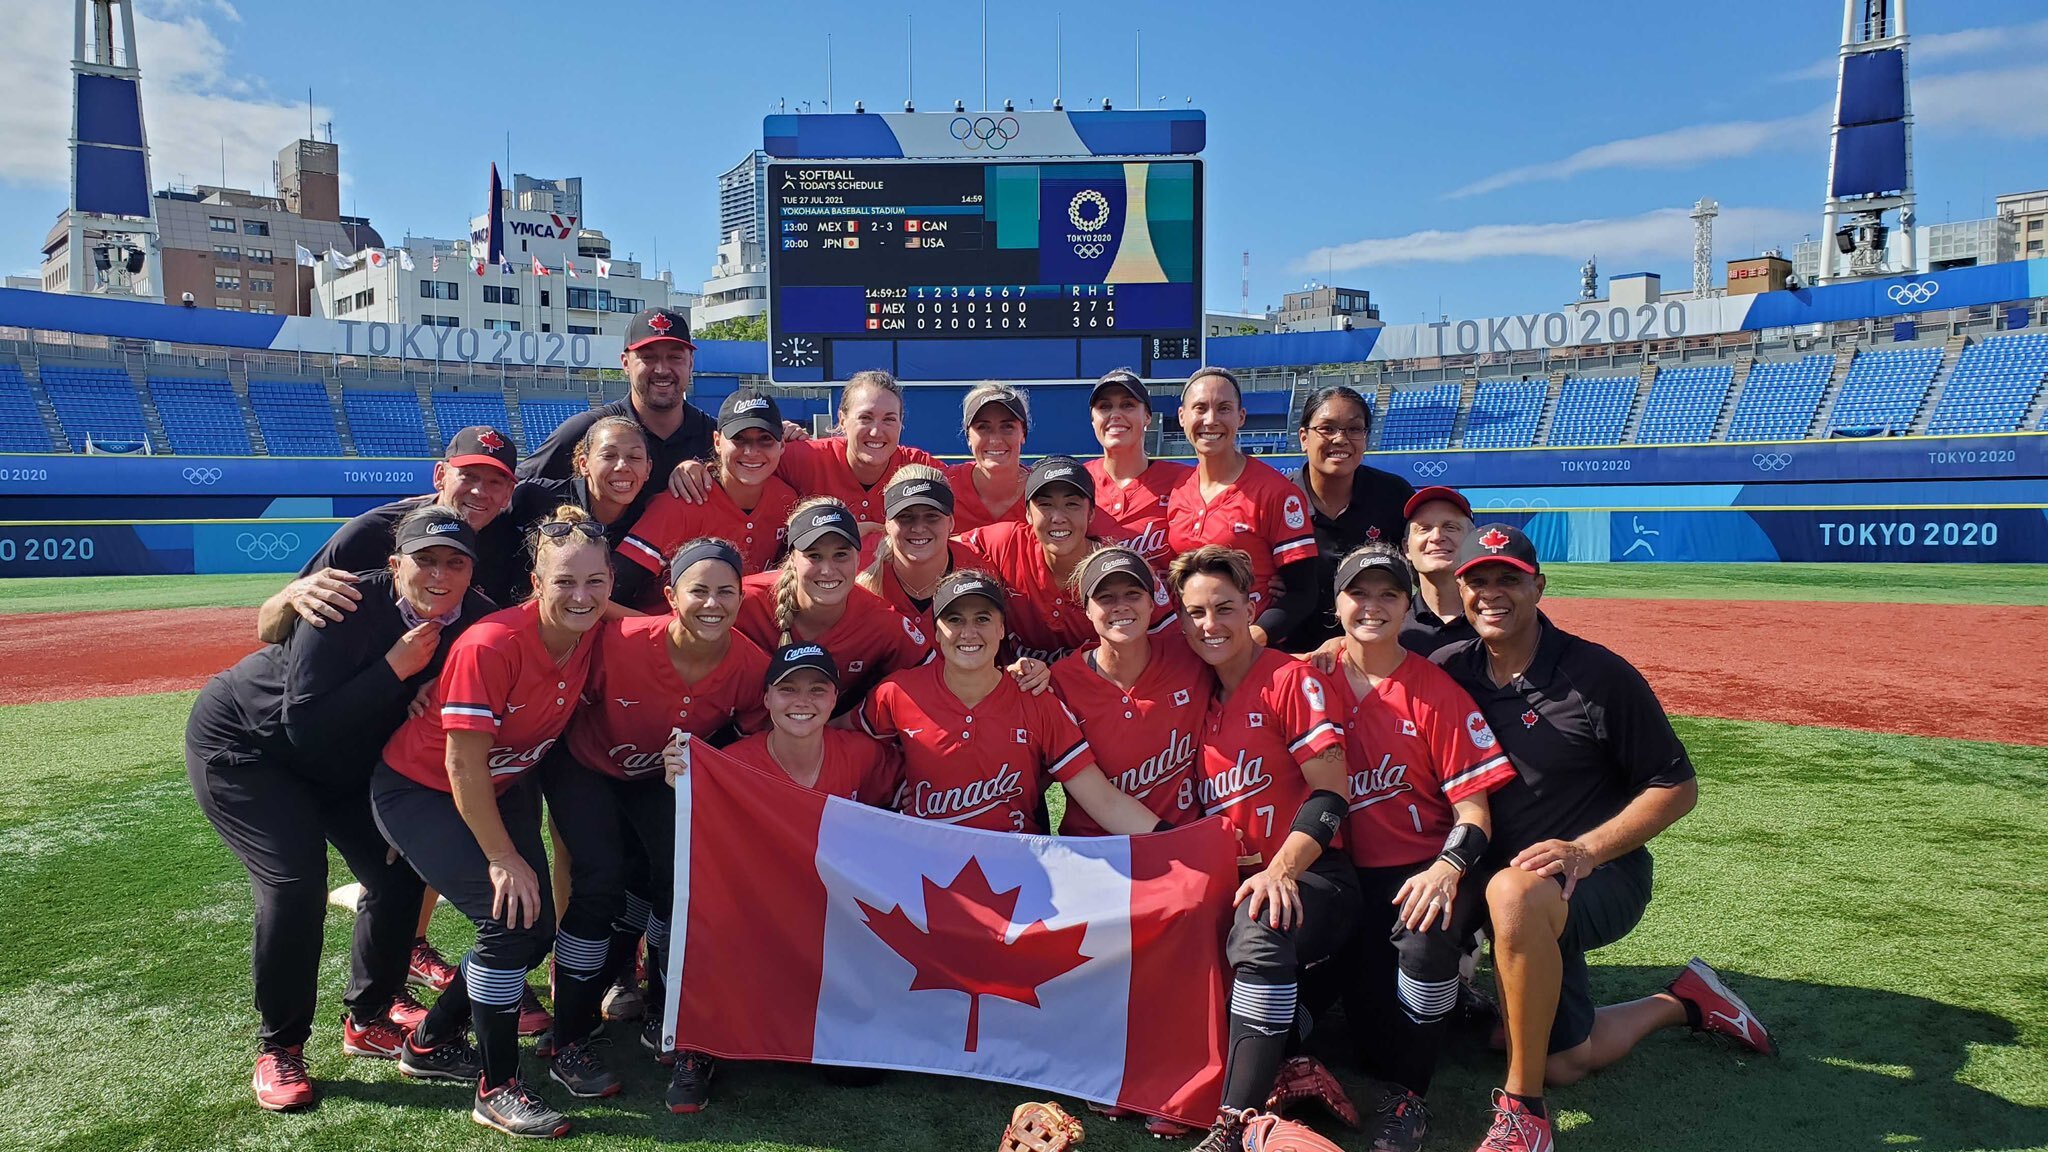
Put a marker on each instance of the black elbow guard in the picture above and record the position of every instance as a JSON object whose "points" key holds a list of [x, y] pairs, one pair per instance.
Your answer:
{"points": [[1464, 847], [1320, 816]]}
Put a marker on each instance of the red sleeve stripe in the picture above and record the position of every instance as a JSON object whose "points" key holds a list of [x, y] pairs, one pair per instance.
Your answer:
{"points": [[1294, 545], [1060, 763], [1481, 778], [642, 553], [1326, 731]]}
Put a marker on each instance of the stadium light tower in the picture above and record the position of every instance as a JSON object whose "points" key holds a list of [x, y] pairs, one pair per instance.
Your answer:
{"points": [[1703, 213], [110, 225], [1870, 148]]}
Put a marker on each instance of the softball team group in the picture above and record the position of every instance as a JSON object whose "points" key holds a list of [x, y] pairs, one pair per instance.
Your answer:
{"points": [[1409, 752]]}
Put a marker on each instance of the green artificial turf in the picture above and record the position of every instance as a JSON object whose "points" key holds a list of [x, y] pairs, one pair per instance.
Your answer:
{"points": [[126, 593], [1876, 899]]}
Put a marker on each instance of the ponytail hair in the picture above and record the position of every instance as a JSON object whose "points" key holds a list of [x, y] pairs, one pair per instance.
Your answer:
{"points": [[785, 580], [870, 577]]}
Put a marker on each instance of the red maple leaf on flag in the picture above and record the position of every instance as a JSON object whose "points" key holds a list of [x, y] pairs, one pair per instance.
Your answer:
{"points": [[965, 945]]}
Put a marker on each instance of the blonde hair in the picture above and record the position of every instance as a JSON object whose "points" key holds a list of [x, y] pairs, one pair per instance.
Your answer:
{"points": [[539, 543], [870, 577], [1230, 564], [785, 581], [868, 378]]}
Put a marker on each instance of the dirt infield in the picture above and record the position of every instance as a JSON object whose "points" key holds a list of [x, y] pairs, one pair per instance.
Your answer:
{"points": [[1915, 669]]}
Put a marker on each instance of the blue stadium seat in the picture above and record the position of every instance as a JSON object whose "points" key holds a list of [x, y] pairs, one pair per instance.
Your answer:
{"points": [[1419, 418], [1504, 413], [540, 418], [386, 423], [1885, 389], [455, 411], [1779, 398], [201, 415], [295, 417], [99, 403], [1684, 403], [21, 424], [1994, 382], [1593, 410]]}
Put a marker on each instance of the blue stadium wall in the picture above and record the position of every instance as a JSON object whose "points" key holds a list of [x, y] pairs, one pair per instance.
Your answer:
{"points": [[1952, 499]]}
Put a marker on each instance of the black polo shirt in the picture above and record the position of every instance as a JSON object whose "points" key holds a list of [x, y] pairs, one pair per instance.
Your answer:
{"points": [[553, 460], [365, 542], [1425, 633], [1584, 730], [1379, 501], [536, 500]]}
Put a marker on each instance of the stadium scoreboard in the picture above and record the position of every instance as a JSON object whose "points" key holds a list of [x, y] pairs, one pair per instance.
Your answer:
{"points": [[964, 270]]}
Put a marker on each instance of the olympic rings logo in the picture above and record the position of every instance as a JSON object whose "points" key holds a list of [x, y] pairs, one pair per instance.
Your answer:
{"points": [[1098, 210], [267, 545], [984, 132], [1431, 469], [202, 476], [1088, 251], [1919, 293], [1771, 461], [1518, 504]]}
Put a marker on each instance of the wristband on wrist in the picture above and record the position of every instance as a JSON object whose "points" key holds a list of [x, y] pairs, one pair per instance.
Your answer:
{"points": [[1463, 847], [1320, 816]]}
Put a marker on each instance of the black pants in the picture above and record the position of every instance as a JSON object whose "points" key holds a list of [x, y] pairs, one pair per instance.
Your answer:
{"points": [[1267, 964], [279, 820], [1399, 985]]}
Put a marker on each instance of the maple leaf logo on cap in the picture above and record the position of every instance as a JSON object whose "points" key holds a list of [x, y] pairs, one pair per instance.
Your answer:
{"points": [[965, 945], [1494, 540], [660, 323], [490, 439]]}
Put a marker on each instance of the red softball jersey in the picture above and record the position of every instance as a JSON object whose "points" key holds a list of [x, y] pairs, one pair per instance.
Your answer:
{"points": [[499, 678], [1139, 505], [969, 512], [982, 767], [671, 521], [1254, 743], [1144, 738], [1415, 745], [634, 700], [819, 468], [892, 588], [1263, 513], [1043, 619], [870, 641], [857, 766]]}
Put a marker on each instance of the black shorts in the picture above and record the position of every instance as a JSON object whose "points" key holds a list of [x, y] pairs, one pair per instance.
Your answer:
{"points": [[1605, 907]]}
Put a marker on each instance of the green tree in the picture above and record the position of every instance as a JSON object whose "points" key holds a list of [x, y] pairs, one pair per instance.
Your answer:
{"points": [[737, 328]]}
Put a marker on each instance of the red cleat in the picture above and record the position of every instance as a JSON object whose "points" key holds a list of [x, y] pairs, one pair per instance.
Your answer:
{"points": [[280, 1081], [1515, 1128], [1718, 1009], [406, 1011], [378, 1040], [533, 1019], [1304, 1078], [1166, 1129], [428, 969]]}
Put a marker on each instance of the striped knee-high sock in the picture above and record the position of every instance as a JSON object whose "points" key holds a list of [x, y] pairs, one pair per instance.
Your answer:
{"points": [[579, 985], [1261, 1024], [495, 994]]}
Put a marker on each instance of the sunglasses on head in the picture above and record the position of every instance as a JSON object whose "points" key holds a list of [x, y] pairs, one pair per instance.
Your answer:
{"points": [[557, 529]]}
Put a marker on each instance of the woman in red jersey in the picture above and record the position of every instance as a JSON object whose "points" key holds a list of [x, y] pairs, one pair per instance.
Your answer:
{"points": [[654, 675], [1235, 501], [813, 598], [978, 749], [855, 465], [1130, 487], [989, 487], [1037, 560], [1272, 763], [453, 796], [747, 503], [1423, 762], [915, 547]]}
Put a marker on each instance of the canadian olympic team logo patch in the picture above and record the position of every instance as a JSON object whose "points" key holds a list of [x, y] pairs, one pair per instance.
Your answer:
{"points": [[1312, 689], [1476, 727], [916, 633], [1297, 517]]}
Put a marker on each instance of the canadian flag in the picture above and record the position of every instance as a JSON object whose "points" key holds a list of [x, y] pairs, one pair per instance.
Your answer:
{"points": [[540, 269], [1092, 967]]}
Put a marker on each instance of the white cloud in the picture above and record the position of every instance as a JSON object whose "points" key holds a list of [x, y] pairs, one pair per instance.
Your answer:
{"points": [[193, 103], [1664, 232], [2003, 102], [1678, 148], [1934, 47]]}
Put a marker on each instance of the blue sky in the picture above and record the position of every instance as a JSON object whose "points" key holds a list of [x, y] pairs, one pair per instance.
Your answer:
{"points": [[1463, 157]]}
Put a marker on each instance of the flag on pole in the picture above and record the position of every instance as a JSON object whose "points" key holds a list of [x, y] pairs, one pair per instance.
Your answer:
{"points": [[604, 269], [340, 262], [479, 265], [1091, 967], [405, 260], [376, 257], [540, 269], [434, 267], [305, 256], [505, 265], [494, 231], [569, 266]]}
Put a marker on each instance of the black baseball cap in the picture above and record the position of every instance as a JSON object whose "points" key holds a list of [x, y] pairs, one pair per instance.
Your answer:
{"points": [[655, 324], [431, 527], [1059, 470], [747, 408], [911, 492], [1125, 379], [824, 520], [1109, 562], [1498, 544], [1364, 560], [1437, 492], [790, 657], [481, 444], [956, 585]]}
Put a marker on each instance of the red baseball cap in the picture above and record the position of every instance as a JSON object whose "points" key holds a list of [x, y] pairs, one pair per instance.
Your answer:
{"points": [[1436, 492]]}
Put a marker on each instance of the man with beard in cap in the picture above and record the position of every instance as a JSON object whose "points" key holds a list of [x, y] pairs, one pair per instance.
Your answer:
{"points": [[658, 359]]}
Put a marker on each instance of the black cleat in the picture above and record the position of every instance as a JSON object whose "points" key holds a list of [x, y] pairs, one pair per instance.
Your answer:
{"points": [[689, 1089], [576, 1067], [650, 1039], [1402, 1123], [516, 1110], [450, 1060], [1227, 1134]]}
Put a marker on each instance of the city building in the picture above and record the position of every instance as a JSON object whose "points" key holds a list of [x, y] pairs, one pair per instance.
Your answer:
{"points": [[2029, 214], [1237, 323], [232, 248], [561, 196], [738, 287], [1319, 308], [743, 198], [1938, 247]]}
